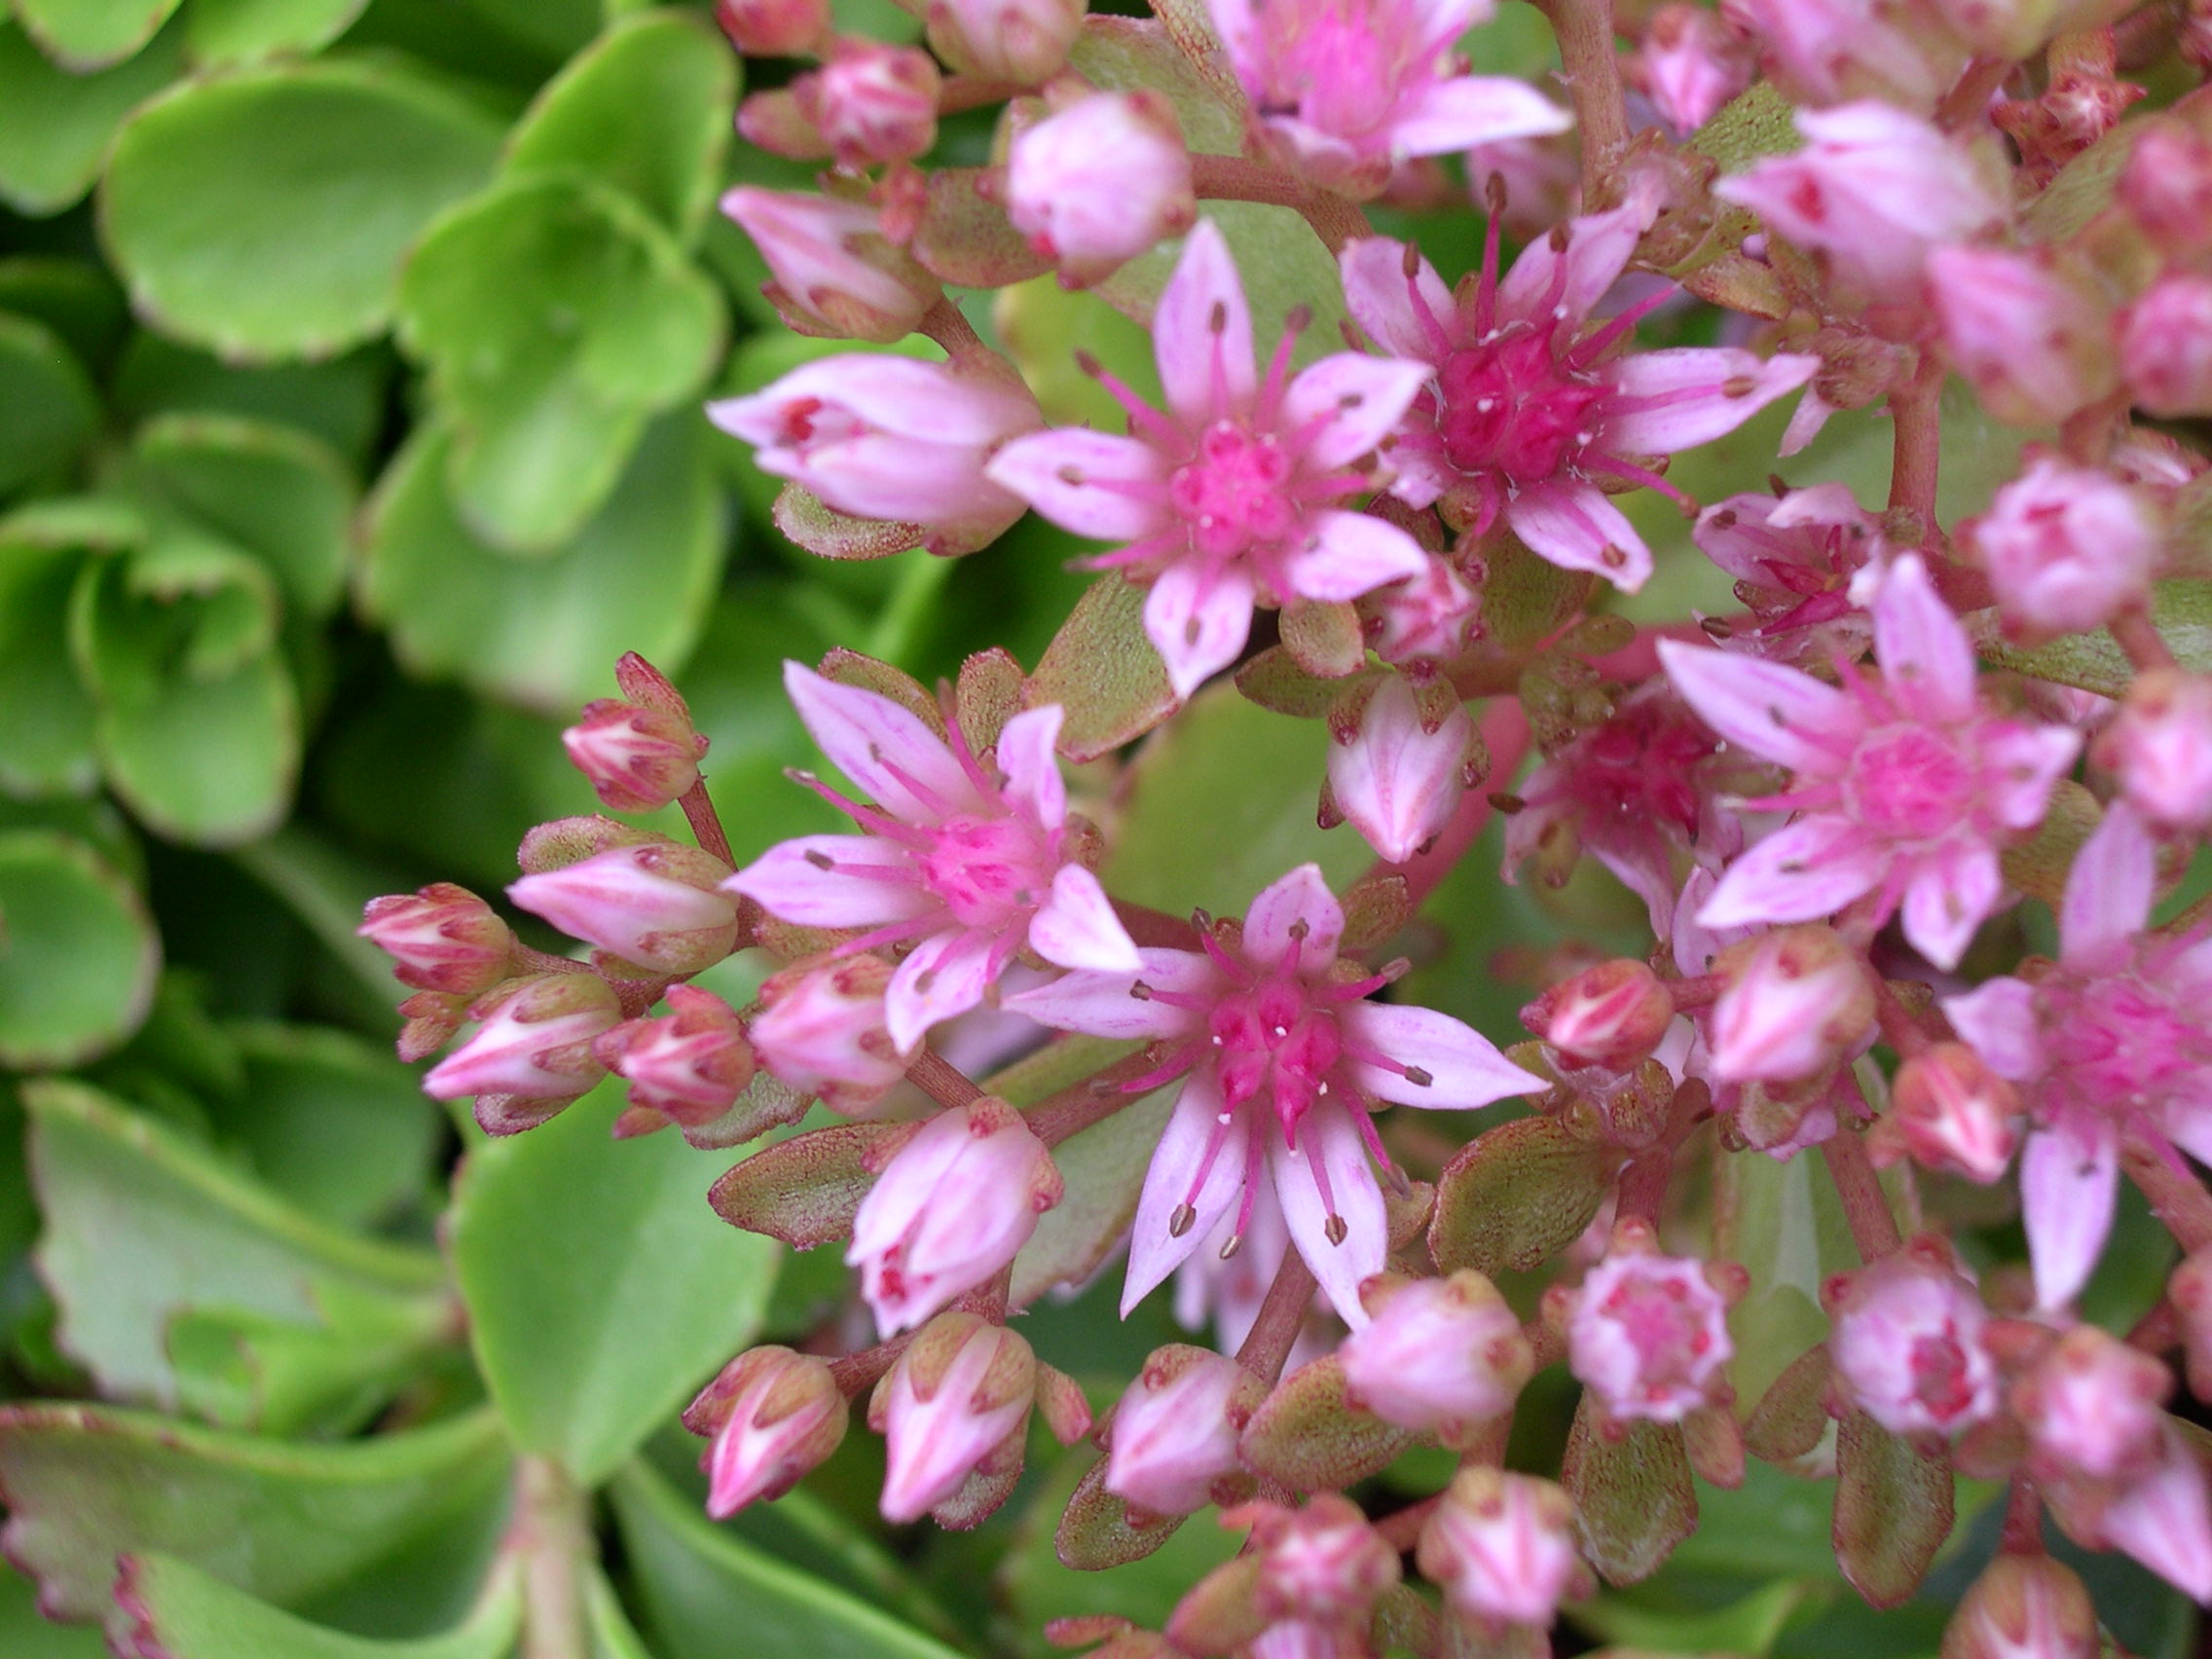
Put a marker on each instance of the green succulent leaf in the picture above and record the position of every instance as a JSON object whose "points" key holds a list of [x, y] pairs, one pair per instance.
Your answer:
{"points": [[46, 741], [25, 1634], [2094, 662], [59, 124], [340, 401], [74, 297], [91, 35], [264, 214], [48, 409], [181, 1611], [225, 33], [78, 951]]}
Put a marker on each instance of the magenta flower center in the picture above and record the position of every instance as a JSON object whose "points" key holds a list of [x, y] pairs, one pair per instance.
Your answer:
{"points": [[988, 870], [2120, 1043], [1336, 71], [1909, 783], [1668, 1329], [1272, 1037], [1510, 406], [1234, 492], [1943, 1380]]}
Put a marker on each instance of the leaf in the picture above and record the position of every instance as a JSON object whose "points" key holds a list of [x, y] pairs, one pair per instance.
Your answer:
{"points": [[1894, 1509], [46, 741], [78, 952], [264, 214], [177, 1611], [1747, 1626], [698, 1585], [48, 410], [1516, 1196], [644, 109], [24, 1635], [554, 317], [322, 1530], [74, 297], [1077, 1555], [241, 31], [59, 124], [1790, 1417], [1308, 1436], [1104, 1169], [601, 1291], [1127, 55], [2094, 662], [291, 1320], [1784, 1224], [1103, 671], [1248, 776], [92, 34], [1633, 1500], [545, 633], [342, 402], [804, 1190], [1284, 266], [2041, 864]]}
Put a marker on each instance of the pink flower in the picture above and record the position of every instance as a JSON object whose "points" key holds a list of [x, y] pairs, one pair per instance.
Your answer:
{"points": [[533, 1041], [769, 1418], [1344, 89], [2160, 746], [950, 1210], [1905, 786], [871, 102], [820, 1031], [1099, 182], [1874, 189], [1320, 1568], [1649, 1333], [1400, 777], [2024, 1606], [1691, 63], [1827, 51], [2067, 548], [1793, 558], [1439, 1354], [1906, 1342], [1226, 500], [1287, 1066], [690, 1064], [2166, 186], [638, 760], [440, 939], [1793, 1003], [1427, 618], [2111, 1039], [834, 274], [2033, 344], [773, 28], [1532, 412], [655, 903], [1022, 41], [1502, 1548], [1172, 1440], [1612, 1015], [893, 438], [966, 861], [2165, 345]]}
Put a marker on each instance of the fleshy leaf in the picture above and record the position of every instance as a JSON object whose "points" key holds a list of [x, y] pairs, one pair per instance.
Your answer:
{"points": [[1516, 1196], [172, 1609], [1102, 670], [48, 409], [804, 1190], [2093, 661], [1308, 1436], [59, 124], [78, 951], [1633, 1500], [92, 34], [243, 31], [1894, 1509]]}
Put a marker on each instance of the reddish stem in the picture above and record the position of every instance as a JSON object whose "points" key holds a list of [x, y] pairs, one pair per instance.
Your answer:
{"points": [[2139, 637], [857, 1373], [2177, 1197], [1156, 928], [1234, 179], [1076, 1108], [1644, 1184], [1592, 69], [1402, 1530], [2023, 1520], [1968, 101], [1282, 1315], [944, 323], [1901, 1029], [1866, 1207], [941, 1080], [962, 93], [1916, 416], [706, 823]]}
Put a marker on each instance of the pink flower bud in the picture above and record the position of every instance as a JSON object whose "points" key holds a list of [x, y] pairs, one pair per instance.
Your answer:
{"points": [[1948, 1111], [953, 1407], [1101, 182], [1501, 1548], [1793, 1003], [2024, 1606], [1691, 63], [1400, 778], [2160, 746], [1022, 41], [1439, 1354], [2093, 1407], [658, 905], [1323, 1564], [1612, 1015], [950, 1210], [835, 276], [2066, 547], [871, 102], [441, 938], [773, 28], [771, 1417], [2033, 344], [1649, 1333], [1431, 617], [2165, 346], [638, 760], [1823, 52], [1906, 1342], [2166, 186], [533, 1041], [891, 438], [1172, 1441], [820, 1031], [690, 1064], [2190, 1291], [2164, 1521]]}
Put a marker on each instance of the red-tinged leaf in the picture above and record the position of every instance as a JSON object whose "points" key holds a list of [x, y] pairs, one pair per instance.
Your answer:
{"points": [[2039, 865], [851, 668], [1325, 640], [806, 1190], [966, 239], [1275, 680], [1517, 1195], [824, 531], [1104, 673], [1306, 1434], [1526, 600], [1098, 1530], [1790, 1418], [1894, 1509], [1375, 907], [1633, 1500], [989, 695]]}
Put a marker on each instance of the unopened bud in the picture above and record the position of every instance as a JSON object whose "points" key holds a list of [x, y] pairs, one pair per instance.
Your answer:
{"points": [[533, 1041], [2024, 1606], [820, 1031], [2066, 547], [952, 1408], [2093, 1407], [769, 1418], [2165, 346], [1171, 1445], [1948, 1111], [773, 28], [1906, 1341], [1793, 1003], [1648, 1332], [1022, 41], [2032, 344], [2166, 186], [638, 760], [1438, 1354], [1101, 182], [1501, 1548], [1323, 1564], [1398, 781], [2191, 1292], [1612, 1015], [440, 939], [690, 1064], [658, 905], [835, 274], [871, 102], [2160, 746]]}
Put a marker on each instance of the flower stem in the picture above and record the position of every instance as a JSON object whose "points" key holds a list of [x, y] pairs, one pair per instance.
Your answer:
{"points": [[1592, 72], [857, 1373], [1402, 1530], [1282, 1315], [551, 1536], [1968, 97], [1233, 178], [1916, 416], [941, 1080], [2139, 637], [1081, 1105], [706, 823], [1866, 1207], [2177, 1197], [1901, 1029], [1157, 928]]}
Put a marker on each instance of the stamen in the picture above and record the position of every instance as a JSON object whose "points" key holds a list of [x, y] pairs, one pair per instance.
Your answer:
{"points": [[1181, 1221]]}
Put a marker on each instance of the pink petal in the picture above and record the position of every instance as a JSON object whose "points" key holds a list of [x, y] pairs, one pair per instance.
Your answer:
{"points": [[1077, 928], [945, 975], [1950, 896], [1800, 873], [789, 882], [1381, 301], [1155, 1250], [1923, 650], [2024, 762], [1578, 527], [1475, 109], [1464, 1068], [1349, 554], [1329, 1142], [2069, 1178], [2108, 891], [1998, 1020], [1095, 484], [1100, 1003], [1349, 403], [1775, 712], [1192, 352], [1678, 398], [865, 736], [1297, 909], [1032, 773], [1197, 620], [1567, 283], [1805, 423]]}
